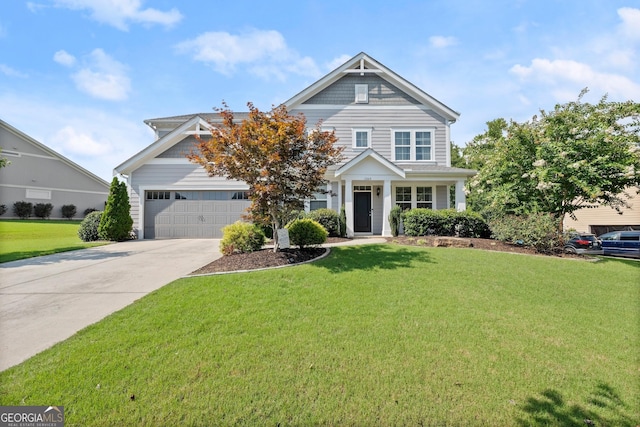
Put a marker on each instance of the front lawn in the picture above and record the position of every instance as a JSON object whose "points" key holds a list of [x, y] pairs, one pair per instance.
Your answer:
{"points": [[21, 239], [372, 335]]}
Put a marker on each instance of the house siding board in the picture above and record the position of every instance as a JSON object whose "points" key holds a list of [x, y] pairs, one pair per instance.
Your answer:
{"points": [[442, 192], [381, 92], [181, 149], [605, 216], [381, 121]]}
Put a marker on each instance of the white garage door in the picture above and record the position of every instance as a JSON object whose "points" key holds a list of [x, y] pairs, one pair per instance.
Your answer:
{"points": [[191, 214]]}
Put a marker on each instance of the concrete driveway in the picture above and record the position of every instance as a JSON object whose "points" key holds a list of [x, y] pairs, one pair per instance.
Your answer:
{"points": [[47, 299]]}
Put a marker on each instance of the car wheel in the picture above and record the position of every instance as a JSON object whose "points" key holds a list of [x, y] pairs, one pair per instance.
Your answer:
{"points": [[570, 250]]}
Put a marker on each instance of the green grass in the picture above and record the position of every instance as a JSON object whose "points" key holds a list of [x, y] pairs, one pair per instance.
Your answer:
{"points": [[372, 335], [21, 239]]}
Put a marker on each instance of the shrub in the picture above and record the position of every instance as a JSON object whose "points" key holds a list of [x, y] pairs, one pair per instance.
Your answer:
{"points": [[537, 230], [343, 222], [447, 222], [241, 237], [116, 223], [22, 209], [68, 211], [42, 210], [328, 218], [306, 232], [88, 211], [395, 216], [3, 209], [88, 231]]}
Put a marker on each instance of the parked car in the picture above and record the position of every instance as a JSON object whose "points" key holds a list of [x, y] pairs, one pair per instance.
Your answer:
{"points": [[583, 244], [621, 243]]}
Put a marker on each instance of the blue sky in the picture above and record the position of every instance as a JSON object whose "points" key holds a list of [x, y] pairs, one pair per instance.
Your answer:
{"points": [[81, 75]]}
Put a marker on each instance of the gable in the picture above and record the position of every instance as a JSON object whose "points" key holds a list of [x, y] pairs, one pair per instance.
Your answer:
{"points": [[381, 92]]}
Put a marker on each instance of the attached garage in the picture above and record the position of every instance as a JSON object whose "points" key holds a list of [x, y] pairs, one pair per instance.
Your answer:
{"points": [[191, 214]]}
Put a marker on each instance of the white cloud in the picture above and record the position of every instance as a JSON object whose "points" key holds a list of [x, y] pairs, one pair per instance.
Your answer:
{"points": [[103, 78], [630, 26], [265, 51], [440, 42], [561, 72], [119, 13], [336, 62], [78, 143], [62, 57], [10, 72]]}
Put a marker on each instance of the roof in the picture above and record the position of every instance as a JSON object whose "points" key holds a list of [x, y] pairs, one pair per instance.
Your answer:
{"points": [[363, 63], [53, 153]]}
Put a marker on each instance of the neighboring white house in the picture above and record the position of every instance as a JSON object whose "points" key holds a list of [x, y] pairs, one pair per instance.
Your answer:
{"points": [[38, 174], [397, 152]]}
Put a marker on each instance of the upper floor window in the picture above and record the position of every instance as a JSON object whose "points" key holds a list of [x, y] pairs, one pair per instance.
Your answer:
{"points": [[361, 138], [410, 145], [362, 94]]}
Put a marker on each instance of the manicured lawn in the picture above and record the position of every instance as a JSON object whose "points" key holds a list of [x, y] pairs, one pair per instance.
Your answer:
{"points": [[372, 335], [30, 238]]}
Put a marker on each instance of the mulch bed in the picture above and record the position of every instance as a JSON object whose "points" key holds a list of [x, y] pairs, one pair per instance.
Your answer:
{"points": [[266, 258]]}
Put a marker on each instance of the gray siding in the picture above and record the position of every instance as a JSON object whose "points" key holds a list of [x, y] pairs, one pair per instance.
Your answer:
{"points": [[442, 195], [181, 149], [381, 121], [52, 180], [342, 92]]}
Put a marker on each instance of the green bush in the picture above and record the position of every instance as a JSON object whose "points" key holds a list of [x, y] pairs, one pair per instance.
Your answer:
{"points": [[537, 230], [22, 209], [88, 231], [241, 237], [68, 211], [328, 218], [42, 210], [306, 232], [116, 223], [447, 222], [343, 222], [88, 211], [395, 217]]}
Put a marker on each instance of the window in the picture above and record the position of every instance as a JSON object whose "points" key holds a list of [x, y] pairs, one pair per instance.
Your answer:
{"points": [[362, 94], [413, 145], [424, 197], [158, 195], [186, 195], [240, 195], [215, 195], [403, 145], [361, 138], [403, 197], [37, 194], [319, 199]]}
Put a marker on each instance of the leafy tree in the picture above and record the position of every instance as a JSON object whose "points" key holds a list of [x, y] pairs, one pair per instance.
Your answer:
{"points": [[116, 221], [573, 157], [4, 161], [274, 154]]}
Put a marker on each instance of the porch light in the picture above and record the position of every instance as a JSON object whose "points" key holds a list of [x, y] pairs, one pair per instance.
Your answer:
{"points": [[378, 191]]}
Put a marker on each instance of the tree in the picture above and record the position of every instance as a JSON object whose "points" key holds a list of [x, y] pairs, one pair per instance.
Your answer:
{"points": [[573, 157], [274, 153], [4, 161], [116, 221]]}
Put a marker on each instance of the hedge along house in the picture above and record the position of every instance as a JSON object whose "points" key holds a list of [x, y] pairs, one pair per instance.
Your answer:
{"points": [[397, 152], [38, 174]]}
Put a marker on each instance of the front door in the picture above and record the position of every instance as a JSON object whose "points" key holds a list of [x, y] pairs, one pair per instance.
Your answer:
{"points": [[362, 212]]}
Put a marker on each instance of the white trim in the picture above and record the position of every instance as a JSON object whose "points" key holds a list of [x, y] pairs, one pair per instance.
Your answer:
{"points": [[362, 107], [68, 190], [32, 193], [354, 132], [412, 143], [447, 138], [170, 161]]}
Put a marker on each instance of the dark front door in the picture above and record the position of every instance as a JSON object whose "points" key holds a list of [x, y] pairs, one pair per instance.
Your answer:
{"points": [[362, 212]]}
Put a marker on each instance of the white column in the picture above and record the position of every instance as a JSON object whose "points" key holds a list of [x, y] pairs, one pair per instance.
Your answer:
{"points": [[348, 205], [386, 208], [461, 198], [329, 195], [339, 196]]}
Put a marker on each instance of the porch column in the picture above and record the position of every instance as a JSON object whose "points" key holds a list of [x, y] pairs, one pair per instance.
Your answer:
{"points": [[386, 208], [461, 198], [339, 196], [348, 205], [329, 195]]}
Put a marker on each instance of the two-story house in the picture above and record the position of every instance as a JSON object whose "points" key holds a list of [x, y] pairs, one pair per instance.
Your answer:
{"points": [[397, 152]]}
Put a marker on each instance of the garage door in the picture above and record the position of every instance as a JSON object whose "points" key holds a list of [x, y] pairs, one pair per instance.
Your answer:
{"points": [[191, 214]]}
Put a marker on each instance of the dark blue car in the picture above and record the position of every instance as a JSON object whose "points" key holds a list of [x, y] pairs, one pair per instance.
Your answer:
{"points": [[621, 243]]}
